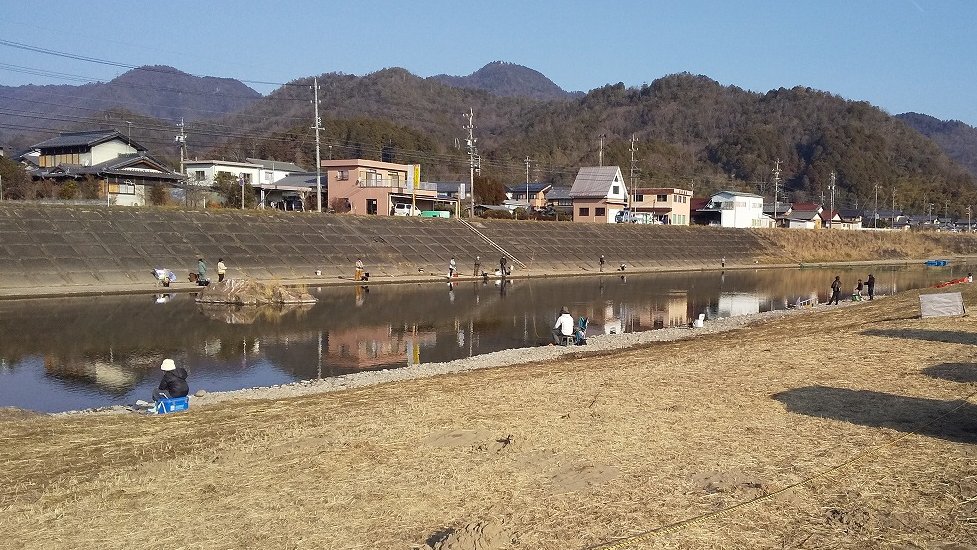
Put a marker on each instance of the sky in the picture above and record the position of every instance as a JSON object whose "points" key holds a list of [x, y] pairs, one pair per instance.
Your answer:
{"points": [[900, 55]]}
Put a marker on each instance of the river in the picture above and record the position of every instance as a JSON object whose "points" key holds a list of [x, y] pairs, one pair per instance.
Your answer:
{"points": [[77, 353]]}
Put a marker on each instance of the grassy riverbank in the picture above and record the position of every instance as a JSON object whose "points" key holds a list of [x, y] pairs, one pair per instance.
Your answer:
{"points": [[569, 453]]}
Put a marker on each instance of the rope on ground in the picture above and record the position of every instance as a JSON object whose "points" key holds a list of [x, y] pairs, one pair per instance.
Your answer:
{"points": [[679, 525]]}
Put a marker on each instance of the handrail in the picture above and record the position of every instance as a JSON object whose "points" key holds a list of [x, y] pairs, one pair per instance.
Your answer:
{"points": [[491, 242]]}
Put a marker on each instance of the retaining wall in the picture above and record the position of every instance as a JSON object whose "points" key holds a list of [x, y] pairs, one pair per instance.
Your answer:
{"points": [[54, 245]]}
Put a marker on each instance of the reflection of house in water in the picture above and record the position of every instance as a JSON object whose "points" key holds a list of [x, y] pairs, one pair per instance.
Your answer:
{"points": [[114, 376], [738, 303], [670, 311], [366, 347]]}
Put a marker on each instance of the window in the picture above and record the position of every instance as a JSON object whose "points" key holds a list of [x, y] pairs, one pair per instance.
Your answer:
{"points": [[639, 198], [394, 179], [342, 175], [198, 175], [616, 190], [661, 198], [372, 178], [600, 211], [584, 211], [269, 176], [126, 187]]}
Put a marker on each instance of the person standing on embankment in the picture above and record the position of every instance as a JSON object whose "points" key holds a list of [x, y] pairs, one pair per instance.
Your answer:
{"points": [[835, 290]]}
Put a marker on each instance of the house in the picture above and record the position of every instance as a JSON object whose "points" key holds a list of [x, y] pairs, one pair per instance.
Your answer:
{"points": [[204, 173], [535, 191], [123, 169], [598, 194], [839, 219], [778, 212], [668, 205], [735, 209], [273, 170], [373, 187], [803, 216]]}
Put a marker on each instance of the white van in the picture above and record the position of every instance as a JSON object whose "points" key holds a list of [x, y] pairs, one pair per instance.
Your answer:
{"points": [[406, 209]]}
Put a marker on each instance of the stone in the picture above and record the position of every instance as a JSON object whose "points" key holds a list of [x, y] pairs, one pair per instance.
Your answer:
{"points": [[200, 393]]}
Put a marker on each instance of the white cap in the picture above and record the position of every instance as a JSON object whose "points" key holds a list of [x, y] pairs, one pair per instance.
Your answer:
{"points": [[168, 364]]}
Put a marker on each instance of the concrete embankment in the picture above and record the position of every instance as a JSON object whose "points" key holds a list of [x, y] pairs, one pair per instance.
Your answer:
{"points": [[73, 249]]}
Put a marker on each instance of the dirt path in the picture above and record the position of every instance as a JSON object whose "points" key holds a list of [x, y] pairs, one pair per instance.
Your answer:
{"points": [[569, 453]]}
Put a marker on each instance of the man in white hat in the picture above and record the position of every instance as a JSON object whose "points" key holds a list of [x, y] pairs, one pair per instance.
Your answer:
{"points": [[174, 383]]}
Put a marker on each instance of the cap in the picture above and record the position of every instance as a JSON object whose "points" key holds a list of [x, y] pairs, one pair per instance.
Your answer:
{"points": [[564, 310], [168, 364]]}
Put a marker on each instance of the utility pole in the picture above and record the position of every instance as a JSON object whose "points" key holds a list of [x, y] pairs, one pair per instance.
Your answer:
{"points": [[634, 173], [831, 187], [946, 211], [929, 218], [968, 215], [318, 157], [600, 154], [876, 223], [776, 188], [472, 156], [893, 207], [182, 141], [528, 206]]}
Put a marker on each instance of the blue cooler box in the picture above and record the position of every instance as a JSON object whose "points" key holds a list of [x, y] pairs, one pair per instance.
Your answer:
{"points": [[173, 404]]}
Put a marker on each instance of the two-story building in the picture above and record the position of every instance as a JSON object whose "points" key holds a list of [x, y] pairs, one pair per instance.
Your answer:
{"points": [[667, 205], [123, 169], [374, 187], [598, 194], [264, 177], [735, 209], [536, 193]]}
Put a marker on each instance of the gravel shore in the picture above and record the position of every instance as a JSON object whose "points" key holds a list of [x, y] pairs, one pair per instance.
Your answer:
{"points": [[503, 358]]}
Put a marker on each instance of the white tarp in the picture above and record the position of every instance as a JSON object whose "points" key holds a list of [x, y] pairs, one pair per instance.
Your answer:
{"points": [[941, 305]]}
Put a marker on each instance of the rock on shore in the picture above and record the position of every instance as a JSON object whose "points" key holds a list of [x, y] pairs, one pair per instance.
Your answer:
{"points": [[250, 292]]}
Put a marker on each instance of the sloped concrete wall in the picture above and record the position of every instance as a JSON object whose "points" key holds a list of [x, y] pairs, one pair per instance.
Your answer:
{"points": [[53, 245]]}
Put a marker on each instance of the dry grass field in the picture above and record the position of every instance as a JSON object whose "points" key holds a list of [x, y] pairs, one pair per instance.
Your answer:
{"points": [[865, 414], [842, 246]]}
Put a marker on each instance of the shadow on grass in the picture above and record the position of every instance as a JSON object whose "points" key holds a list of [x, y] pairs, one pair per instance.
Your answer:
{"points": [[954, 372], [945, 336], [885, 410]]}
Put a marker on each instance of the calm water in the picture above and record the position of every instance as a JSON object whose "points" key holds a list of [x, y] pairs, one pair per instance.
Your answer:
{"points": [[65, 354]]}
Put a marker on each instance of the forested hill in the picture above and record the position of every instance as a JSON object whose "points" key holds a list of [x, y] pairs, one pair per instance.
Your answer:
{"points": [[958, 140], [689, 130], [509, 80], [28, 113]]}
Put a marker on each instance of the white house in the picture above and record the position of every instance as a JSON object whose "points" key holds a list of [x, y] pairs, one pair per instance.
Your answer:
{"points": [[272, 171], [598, 194], [204, 172], [737, 209]]}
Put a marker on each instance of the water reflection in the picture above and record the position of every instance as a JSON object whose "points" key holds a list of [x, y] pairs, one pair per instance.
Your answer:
{"points": [[83, 352]]}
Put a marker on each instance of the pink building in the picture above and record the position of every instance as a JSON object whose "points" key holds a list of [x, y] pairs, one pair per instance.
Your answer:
{"points": [[374, 188], [667, 205]]}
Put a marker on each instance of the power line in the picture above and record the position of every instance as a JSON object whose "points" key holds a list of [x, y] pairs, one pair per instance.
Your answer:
{"points": [[38, 49]]}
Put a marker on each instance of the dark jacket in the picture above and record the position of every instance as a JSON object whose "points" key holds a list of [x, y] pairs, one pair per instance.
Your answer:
{"points": [[174, 382]]}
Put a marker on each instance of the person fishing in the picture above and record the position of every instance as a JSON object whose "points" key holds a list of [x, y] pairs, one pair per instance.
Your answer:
{"points": [[564, 326], [174, 382]]}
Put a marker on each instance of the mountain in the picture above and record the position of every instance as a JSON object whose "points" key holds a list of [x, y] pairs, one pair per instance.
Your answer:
{"points": [[689, 131], [508, 80], [957, 139], [28, 112]]}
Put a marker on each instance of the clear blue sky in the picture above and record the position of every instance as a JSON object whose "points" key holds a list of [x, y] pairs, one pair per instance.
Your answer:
{"points": [[901, 55]]}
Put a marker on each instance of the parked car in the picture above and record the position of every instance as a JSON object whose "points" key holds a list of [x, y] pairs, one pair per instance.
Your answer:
{"points": [[289, 202], [406, 209]]}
